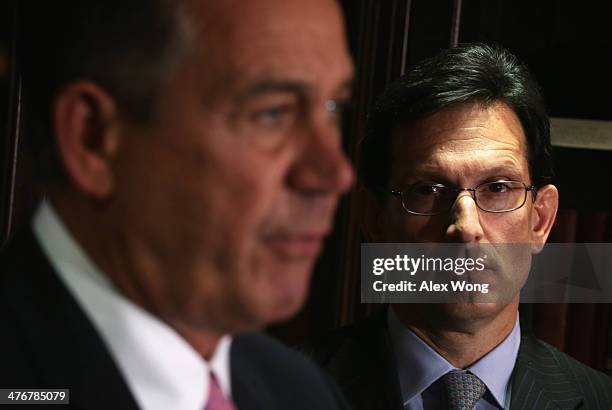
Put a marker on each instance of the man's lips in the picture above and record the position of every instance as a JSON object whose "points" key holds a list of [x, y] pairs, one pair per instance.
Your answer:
{"points": [[296, 244]]}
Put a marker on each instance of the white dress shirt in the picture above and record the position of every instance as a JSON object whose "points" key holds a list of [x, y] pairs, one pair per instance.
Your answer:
{"points": [[161, 369]]}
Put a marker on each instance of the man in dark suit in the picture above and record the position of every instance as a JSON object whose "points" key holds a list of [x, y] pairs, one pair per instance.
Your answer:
{"points": [[458, 151], [192, 162]]}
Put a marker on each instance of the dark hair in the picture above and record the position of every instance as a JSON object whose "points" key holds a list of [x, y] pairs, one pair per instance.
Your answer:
{"points": [[126, 47], [478, 73]]}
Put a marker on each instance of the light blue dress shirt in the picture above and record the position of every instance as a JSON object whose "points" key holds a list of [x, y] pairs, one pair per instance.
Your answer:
{"points": [[420, 369]]}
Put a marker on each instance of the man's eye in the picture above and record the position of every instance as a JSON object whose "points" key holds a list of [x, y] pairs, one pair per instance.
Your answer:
{"points": [[498, 187], [274, 117], [427, 189]]}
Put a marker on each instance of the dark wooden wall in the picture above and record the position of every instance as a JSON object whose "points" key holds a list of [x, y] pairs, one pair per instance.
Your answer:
{"points": [[8, 107], [18, 195]]}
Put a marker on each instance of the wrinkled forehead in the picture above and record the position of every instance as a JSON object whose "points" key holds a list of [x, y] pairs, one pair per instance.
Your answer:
{"points": [[235, 39], [267, 14], [466, 137], [225, 26]]}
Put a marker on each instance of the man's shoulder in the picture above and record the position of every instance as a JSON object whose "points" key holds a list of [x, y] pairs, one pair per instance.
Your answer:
{"points": [[572, 365], [562, 377], [16, 259], [18, 368], [280, 376], [544, 356], [47, 340]]}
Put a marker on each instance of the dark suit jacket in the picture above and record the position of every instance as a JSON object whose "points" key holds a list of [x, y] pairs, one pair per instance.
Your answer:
{"points": [[46, 341], [360, 358]]}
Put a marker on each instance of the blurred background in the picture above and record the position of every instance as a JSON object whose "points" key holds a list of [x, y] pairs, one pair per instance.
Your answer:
{"points": [[568, 47]]}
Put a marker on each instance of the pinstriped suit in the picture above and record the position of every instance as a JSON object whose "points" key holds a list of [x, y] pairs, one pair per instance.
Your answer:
{"points": [[545, 378], [360, 358]]}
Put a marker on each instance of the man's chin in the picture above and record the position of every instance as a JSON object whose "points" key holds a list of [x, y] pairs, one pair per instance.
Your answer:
{"points": [[286, 304], [277, 300], [466, 313], [259, 316], [283, 312]]}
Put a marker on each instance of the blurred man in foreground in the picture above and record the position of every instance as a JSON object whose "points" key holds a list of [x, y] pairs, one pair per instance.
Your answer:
{"points": [[458, 151], [192, 157]]}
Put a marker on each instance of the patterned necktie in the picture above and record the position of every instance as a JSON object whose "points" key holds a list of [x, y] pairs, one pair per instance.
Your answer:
{"points": [[463, 389], [216, 398]]}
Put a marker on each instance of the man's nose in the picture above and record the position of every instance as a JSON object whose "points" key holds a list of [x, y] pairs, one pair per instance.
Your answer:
{"points": [[322, 166], [465, 220]]}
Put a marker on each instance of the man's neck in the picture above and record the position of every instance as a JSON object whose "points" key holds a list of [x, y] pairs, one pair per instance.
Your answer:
{"points": [[461, 335], [101, 248]]}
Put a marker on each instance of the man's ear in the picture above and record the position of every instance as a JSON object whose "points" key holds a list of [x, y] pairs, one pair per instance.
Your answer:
{"points": [[543, 216], [86, 125], [372, 216]]}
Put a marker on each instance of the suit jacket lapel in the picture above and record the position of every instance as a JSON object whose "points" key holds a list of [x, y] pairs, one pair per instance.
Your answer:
{"points": [[539, 381], [66, 349]]}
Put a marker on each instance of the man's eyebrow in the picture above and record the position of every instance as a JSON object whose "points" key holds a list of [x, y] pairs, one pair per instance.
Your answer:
{"points": [[274, 85], [509, 170], [270, 85]]}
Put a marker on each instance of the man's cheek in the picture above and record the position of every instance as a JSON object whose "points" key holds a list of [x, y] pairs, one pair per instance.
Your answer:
{"points": [[509, 227], [518, 229], [269, 195]]}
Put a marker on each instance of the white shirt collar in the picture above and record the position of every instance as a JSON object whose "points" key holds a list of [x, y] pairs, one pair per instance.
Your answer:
{"points": [[161, 369]]}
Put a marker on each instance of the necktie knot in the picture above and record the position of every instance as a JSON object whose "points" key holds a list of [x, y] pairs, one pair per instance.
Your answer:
{"points": [[463, 389]]}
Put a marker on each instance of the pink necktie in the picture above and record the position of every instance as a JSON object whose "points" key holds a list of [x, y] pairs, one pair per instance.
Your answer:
{"points": [[216, 399]]}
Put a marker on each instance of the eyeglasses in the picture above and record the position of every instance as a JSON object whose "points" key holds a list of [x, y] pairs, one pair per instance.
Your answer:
{"points": [[434, 199]]}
